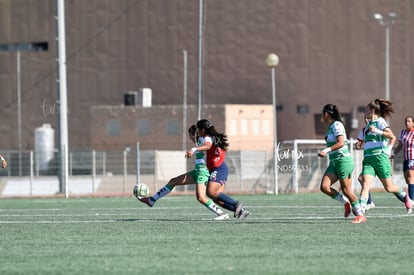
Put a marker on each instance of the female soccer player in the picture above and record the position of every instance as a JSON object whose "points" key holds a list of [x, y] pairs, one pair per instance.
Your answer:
{"points": [[341, 164], [406, 143], [360, 145], [3, 162], [219, 171], [377, 152], [199, 176]]}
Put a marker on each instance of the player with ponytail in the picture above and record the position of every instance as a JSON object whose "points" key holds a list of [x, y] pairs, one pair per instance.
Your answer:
{"points": [[378, 142], [341, 164], [219, 170], [199, 176]]}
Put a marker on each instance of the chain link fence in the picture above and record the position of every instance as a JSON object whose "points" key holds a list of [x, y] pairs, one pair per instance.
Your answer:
{"points": [[116, 172]]}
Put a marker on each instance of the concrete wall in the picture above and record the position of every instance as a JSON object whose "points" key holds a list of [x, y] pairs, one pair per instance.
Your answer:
{"points": [[330, 52]]}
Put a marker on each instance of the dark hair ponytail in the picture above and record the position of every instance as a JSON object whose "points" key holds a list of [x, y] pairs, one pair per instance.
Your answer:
{"points": [[192, 130], [333, 111], [203, 124], [219, 139], [381, 107]]}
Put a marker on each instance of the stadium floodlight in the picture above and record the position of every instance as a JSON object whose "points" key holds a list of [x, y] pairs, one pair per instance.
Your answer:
{"points": [[378, 16], [272, 61]]}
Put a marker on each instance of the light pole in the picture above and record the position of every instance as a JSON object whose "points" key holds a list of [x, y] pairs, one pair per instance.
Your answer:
{"points": [[387, 23], [185, 100], [272, 61], [62, 97], [200, 58]]}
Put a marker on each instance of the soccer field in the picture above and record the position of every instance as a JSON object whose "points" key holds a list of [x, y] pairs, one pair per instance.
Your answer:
{"points": [[285, 234]]}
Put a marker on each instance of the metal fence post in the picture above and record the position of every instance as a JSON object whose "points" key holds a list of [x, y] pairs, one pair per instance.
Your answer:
{"points": [[31, 173], [138, 168], [93, 170], [125, 170]]}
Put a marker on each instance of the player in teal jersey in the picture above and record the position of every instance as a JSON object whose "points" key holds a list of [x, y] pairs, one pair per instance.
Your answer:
{"points": [[341, 164], [199, 176], [377, 152], [358, 146]]}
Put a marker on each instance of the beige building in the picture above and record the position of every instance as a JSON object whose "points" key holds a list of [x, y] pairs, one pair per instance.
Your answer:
{"points": [[248, 127]]}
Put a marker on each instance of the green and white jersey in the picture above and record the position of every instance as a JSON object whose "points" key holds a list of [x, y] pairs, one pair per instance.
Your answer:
{"points": [[202, 155], [375, 144], [337, 129]]}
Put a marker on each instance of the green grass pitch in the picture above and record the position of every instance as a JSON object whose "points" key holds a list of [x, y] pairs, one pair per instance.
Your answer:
{"points": [[285, 234]]}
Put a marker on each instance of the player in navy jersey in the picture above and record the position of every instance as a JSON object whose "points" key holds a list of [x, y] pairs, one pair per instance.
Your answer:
{"points": [[219, 171], [199, 176], [406, 143]]}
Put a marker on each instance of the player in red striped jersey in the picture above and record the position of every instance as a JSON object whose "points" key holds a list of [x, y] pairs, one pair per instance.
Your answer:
{"points": [[406, 143], [3, 162], [219, 171], [199, 176]]}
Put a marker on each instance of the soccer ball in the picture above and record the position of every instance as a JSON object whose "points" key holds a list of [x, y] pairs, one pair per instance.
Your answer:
{"points": [[141, 190]]}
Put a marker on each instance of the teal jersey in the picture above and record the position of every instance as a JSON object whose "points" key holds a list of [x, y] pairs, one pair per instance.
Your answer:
{"points": [[334, 130], [201, 155], [200, 173], [375, 144]]}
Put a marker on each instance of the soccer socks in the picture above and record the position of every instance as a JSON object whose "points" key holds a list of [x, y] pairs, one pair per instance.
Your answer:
{"points": [[229, 202], [214, 208], [162, 192], [341, 198], [369, 198], [363, 203], [411, 190], [356, 208], [401, 195]]}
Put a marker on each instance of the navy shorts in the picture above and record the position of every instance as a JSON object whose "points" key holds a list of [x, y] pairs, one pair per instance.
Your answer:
{"points": [[219, 174], [408, 165]]}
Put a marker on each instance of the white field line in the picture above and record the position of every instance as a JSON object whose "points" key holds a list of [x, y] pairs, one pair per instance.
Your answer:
{"points": [[57, 222], [133, 215], [205, 219], [163, 208]]}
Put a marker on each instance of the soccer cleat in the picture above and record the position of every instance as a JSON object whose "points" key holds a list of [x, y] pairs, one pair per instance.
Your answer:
{"points": [[370, 206], [347, 209], [239, 207], [221, 217], [363, 208], [359, 219], [408, 204], [147, 200], [243, 214]]}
